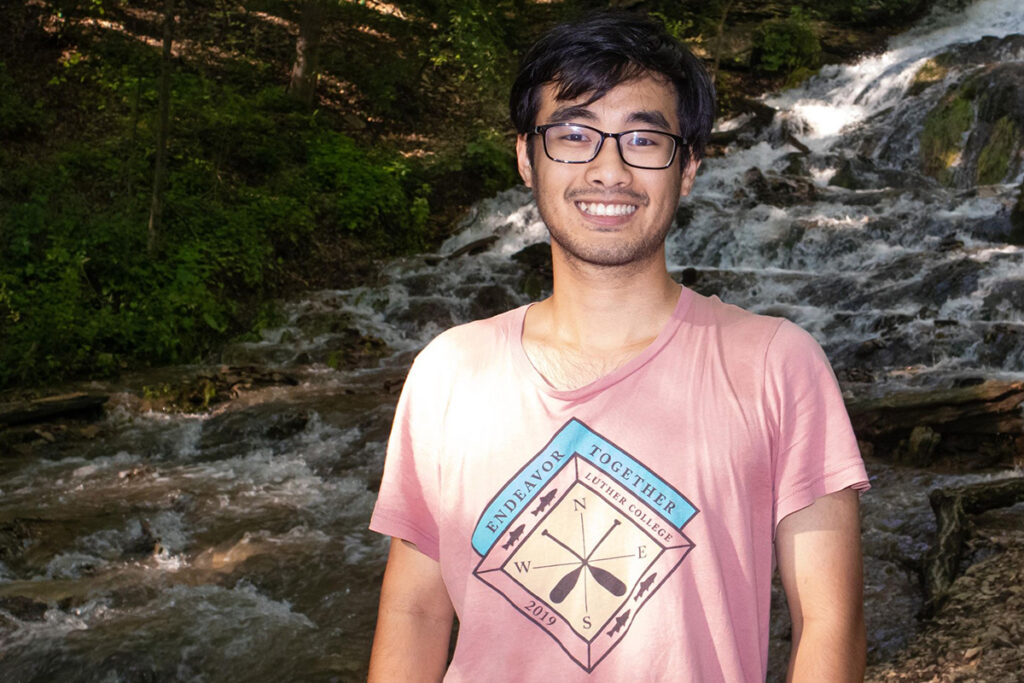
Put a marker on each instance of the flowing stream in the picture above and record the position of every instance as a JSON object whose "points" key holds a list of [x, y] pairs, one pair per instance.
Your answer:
{"points": [[232, 544]]}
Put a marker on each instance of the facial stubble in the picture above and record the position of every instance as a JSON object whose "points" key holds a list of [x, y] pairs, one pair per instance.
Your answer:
{"points": [[632, 252]]}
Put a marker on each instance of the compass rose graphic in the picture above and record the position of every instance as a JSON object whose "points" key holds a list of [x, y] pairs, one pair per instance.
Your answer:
{"points": [[584, 554], [603, 577]]}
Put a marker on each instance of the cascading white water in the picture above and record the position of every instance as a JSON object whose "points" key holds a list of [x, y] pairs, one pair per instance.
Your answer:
{"points": [[200, 546]]}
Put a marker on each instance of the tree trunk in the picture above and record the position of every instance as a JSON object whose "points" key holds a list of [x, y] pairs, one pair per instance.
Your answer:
{"points": [[307, 48], [160, 171], [719, 37], [952, 507]]}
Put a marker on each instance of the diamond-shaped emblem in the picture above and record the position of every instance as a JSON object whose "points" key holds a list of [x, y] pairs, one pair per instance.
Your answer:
{"points": [[582, 550]]}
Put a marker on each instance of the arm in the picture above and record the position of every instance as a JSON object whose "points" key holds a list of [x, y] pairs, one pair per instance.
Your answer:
{"points": [[414, 621], [819, 558]]}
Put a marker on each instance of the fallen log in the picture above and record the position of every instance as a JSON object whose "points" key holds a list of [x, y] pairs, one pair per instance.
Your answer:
{"points": [[78, 405], [980, 425], [952, 506]]}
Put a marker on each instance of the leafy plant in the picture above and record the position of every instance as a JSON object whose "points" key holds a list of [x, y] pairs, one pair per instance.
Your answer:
{"points": [[785, 45]]}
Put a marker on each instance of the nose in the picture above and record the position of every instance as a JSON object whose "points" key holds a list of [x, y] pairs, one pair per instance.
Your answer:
{"points": [[608, 169]]}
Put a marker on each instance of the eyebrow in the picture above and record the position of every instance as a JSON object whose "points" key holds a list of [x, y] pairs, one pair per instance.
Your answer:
{"points": [[576, 112], [651, 118], [570, 112]]}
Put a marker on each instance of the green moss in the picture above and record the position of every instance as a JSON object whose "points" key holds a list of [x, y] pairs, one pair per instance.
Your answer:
{"points": [[994, 161], [942, 138], [930, 73]]}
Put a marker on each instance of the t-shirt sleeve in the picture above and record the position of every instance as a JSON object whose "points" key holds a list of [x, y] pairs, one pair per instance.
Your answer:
{"points": [[408, 503], [815, 451]]}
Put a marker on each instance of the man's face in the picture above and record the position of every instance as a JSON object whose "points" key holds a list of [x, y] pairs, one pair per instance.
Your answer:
{"points": [[605, 213]]}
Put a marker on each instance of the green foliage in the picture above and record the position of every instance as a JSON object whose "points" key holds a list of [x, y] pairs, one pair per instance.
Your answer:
{"points": [[472, 43], [253, 180], [17, 117], [362, 193], [942, 137], [994, 161], [785, 45], [485, 162], [679, 28]]}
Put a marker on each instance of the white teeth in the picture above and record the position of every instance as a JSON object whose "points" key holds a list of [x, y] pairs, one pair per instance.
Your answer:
{"points": [[597, 209]]}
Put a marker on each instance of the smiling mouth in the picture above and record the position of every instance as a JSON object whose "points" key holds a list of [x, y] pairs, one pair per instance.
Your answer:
{"points": [[603, 209]]}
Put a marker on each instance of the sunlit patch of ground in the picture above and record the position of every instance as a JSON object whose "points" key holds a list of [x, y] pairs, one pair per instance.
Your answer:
{"points": [[978, 634]]}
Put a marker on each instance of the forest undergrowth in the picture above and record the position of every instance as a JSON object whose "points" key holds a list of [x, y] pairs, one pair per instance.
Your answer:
{"points": [[305, 141]]}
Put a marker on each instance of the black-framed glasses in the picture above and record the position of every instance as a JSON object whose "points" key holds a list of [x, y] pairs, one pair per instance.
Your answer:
{"points": [[572, 143]]}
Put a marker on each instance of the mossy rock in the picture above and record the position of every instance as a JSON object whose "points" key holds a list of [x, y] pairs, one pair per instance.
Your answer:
{"points": [[942, 138], [1003, 143], [930, 73]]}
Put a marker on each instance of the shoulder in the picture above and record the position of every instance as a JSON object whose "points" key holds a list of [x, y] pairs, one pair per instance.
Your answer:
{"points": [[738, 332], [468, 344], [767, 334]]}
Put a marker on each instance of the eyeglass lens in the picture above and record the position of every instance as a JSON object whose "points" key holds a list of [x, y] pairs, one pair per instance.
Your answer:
{"points": [[579, 144]]}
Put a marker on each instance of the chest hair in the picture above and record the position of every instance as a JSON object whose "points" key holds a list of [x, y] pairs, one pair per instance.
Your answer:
{"points": [[566, 368]]}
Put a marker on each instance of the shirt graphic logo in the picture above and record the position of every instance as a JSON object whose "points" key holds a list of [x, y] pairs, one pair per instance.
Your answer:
{"points": [[580, 539]]}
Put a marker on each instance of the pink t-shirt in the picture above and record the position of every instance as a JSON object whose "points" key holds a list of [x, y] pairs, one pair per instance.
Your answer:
{"points": [[622, 530]]}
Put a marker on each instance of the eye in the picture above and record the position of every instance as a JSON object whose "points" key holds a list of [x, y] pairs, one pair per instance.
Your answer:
{"points": [[645, 139], [573, 135]]}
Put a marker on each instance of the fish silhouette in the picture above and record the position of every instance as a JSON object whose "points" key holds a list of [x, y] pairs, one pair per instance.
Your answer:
{"points": [[620, 621], [645, 586], [544, 502], [514, 536]]}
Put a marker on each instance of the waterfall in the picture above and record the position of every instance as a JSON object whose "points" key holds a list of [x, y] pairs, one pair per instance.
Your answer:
{"points": [[197, 546]]}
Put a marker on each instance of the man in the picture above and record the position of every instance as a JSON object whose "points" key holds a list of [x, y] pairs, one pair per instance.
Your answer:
{"points": [[595, 484]]}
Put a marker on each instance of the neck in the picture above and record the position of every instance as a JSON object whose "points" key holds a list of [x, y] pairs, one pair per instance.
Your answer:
{"points": [[597, 319], [608, 309]]}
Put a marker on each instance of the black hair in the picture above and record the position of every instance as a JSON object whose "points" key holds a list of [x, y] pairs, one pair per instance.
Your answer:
{"points": [[604, 49]]}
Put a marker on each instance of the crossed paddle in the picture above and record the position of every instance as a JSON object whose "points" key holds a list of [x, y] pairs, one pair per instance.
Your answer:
{"points": [[604, 578]]}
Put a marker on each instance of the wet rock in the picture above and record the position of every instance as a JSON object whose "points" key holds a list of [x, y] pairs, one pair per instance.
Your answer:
{"points": [[995, 228], [144, 544], [316, 323], [490, 300], [536, 256], [987, 50], [23, 608], [14, 535], [949, 281], [779, 190], [211, 387], [535, 260], [229, 433], [951, 243], [918, 450], [795, 164], [754, 118], [423, 311], [684, 215], [474, 247], [1016, 233], [1003, 346], [862, 173], [975, 133], [349, 349], [850, 175]]}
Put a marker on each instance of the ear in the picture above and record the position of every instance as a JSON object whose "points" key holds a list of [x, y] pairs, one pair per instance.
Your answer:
{"points": [[523, 160], [689, 174]]}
